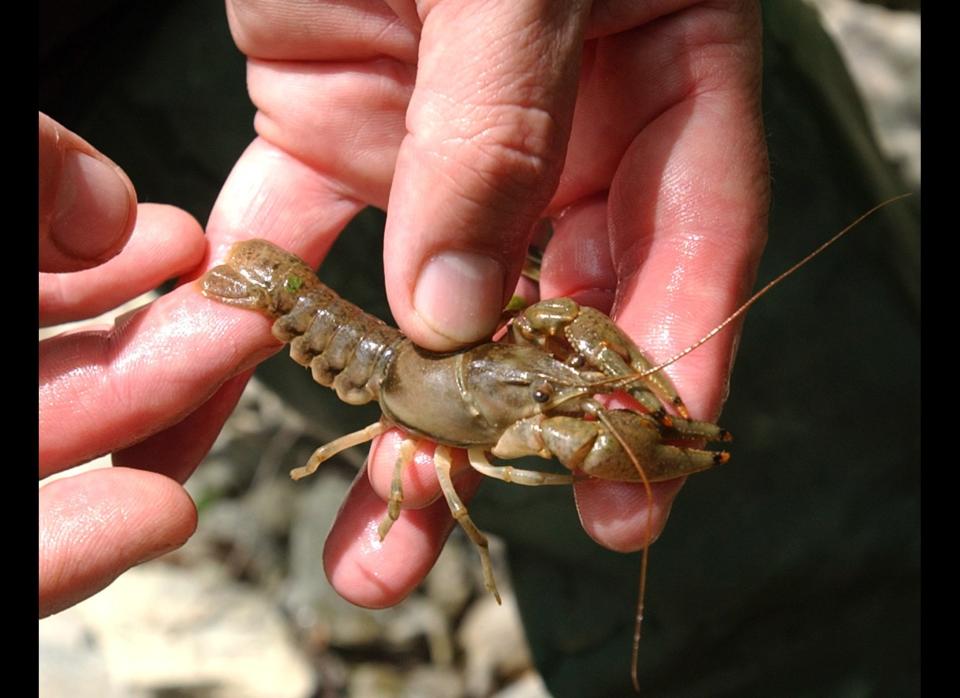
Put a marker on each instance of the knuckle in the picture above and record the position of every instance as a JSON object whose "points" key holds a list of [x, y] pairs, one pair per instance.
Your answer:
{"points": [[499, 150], [257, 27], [247, 25]]}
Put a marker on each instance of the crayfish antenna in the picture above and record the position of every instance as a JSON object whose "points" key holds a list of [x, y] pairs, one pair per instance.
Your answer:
{"points": [[766, 289], [644, 556]]}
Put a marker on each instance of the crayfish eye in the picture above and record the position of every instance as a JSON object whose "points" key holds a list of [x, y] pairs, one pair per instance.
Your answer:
{"points": [[543, 393]]}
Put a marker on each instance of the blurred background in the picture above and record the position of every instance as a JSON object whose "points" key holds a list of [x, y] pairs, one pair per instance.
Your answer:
{"points": [[793, 570]]}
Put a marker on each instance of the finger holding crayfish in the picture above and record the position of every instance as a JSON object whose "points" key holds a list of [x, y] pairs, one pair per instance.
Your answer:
{"points": [[644, 293], [376, 573]]}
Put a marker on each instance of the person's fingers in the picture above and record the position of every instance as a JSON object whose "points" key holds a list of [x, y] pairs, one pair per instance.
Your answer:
{"points": [[686, 219], [166, 242], [331, 83], [269, 194], [178, 450], [87, 205], [577, 262], [688, 214], [418, 478], [289, 30], [618, 515], [114, 384], [103, 390], [678, 244], [487, 126], [424, 522], [273, 195], [96, 525], [374, 573], [346, 122]]}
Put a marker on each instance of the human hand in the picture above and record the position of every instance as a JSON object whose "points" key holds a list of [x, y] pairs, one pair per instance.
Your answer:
{"points": [[634, 127], [104, 389]]}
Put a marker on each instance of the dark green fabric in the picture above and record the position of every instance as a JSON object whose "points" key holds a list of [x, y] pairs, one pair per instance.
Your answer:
{"points": [[791, 571]]}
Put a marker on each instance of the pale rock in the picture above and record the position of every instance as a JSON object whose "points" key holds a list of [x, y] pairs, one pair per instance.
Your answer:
{"points": [[70, 659], [881, 48], [493, 641], [164, 628], [450, 583]]}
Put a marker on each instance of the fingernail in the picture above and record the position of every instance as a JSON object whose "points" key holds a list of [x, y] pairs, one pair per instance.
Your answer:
{"points": [[92, 207], [459, 295]]}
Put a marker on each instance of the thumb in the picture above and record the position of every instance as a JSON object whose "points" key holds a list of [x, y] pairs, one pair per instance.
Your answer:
{"points": [[87, 204], [487, 130]]}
